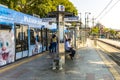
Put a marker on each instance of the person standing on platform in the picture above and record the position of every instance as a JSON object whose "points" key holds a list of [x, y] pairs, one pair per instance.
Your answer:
{"points": [[54, 43]]}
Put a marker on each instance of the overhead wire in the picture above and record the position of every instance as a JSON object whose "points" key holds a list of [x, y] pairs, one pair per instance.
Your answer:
{"points": [[110, 9], [104, 8]]}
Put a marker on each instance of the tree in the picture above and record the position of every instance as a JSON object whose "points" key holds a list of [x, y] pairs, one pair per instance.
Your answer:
{"points": [[9, 3], [95, 31], [39, 7], [106, 30], [112, 32]]}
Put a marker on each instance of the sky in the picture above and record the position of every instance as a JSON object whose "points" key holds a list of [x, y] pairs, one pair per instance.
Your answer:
{"points": [[110, 18]]}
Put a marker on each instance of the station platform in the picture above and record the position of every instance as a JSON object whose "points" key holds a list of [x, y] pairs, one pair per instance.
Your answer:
{"points": [[86, 65], [111, 42]]}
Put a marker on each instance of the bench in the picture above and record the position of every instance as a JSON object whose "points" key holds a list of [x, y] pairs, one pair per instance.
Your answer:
{"points": [[67, 54]]}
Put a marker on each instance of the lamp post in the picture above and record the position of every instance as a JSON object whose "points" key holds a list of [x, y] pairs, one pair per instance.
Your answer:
{"points": [[86, 19], [86, 25], [80, 24], [80, 20], [80, 27]]}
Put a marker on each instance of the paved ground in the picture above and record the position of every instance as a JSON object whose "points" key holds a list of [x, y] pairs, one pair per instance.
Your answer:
{"points": [[87, 65]]}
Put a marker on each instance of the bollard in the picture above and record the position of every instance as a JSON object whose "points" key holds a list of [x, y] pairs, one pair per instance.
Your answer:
{"points": [[57, 63], [95, 41]]}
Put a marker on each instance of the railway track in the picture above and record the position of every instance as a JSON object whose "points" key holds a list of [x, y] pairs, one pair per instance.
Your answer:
{"points": [[115, 58], [112, 51]]}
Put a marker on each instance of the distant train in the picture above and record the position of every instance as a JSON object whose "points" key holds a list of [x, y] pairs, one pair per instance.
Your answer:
{"points": [[21, 36]]}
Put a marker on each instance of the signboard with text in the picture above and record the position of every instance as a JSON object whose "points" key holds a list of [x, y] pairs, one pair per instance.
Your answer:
{"points": [[68, 19], [71, 19], [48, 19], [61, 8]]}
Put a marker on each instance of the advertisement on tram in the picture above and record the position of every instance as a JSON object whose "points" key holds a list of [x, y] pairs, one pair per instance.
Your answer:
{"points": [[21, 36], [7, 45]]}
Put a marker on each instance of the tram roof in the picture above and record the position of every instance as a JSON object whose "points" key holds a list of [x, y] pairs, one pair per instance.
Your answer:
{"points": [[11, 16]]}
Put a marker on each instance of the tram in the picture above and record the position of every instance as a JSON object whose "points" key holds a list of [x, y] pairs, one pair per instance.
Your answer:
{"points": [[21, 36]]}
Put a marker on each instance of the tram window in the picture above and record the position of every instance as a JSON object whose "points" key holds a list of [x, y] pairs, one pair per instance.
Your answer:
{"points": [[40, 35], [35, 34], [44, 37], [5, 27], [21, 38], [32, 37], [25, 38]]}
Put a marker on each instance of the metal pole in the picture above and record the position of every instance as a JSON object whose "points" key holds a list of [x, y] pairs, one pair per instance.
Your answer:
{"points": [[75, 36], [86, 13], [80, 26], [93, 21], [85, 20], [87, 26], [84, 40], [58, 25], [80, 20]]}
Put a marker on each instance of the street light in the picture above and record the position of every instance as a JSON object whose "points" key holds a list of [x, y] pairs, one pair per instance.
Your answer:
{"points": [[80, 26], [80, 20], [86, 14], [86, 19]]}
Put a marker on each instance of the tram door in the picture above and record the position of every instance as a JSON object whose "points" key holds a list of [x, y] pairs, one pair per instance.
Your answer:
{"points": [[21, 35]]}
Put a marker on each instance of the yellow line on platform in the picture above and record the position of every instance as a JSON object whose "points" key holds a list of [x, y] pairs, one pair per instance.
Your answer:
{"points": [[16, 64], [107, 63]]}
